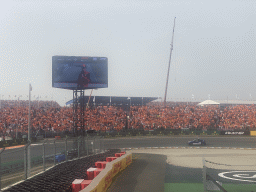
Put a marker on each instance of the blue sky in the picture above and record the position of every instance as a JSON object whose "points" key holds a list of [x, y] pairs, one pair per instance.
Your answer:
{"points": [[214, 46]]}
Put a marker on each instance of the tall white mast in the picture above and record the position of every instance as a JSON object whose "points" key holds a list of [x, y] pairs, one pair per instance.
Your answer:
{"points": [[169, 65]]}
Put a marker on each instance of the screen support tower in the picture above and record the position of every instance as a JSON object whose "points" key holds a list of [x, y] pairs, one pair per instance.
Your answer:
{"points": [[78, 112]]}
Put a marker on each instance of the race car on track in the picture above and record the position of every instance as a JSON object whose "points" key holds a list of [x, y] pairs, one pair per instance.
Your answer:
{"points": [[197, 142]]}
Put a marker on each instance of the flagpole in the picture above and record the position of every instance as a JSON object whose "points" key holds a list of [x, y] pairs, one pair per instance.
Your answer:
{"points": [[17, 120], [29, 130], [65, 100]]}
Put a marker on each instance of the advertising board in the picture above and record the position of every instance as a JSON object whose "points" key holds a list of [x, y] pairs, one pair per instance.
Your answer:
{"points": [[240, 132], [253, 133]]}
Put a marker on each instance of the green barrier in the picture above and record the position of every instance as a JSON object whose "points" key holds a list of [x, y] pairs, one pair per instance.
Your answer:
{"points": [[5, 144], [167, 132], [149, 133], [122, 134], [204, 133], [9, 143], [193, 132], [23, 141], [108, 135], [183, 133], [159, 133], [14, 142], [213, 132], [170, 133]]}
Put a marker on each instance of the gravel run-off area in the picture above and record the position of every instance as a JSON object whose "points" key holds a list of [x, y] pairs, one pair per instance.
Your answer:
{"points": [[192, 158]]}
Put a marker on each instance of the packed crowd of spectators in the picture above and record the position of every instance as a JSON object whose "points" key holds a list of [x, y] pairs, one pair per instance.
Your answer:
{"points": [[49, 116], [194, 117]]}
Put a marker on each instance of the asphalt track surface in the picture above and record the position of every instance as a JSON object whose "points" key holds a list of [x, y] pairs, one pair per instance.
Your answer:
{"points": [[180, 141], [136, 142], [144, 173], [153, 141], [36, 150]]}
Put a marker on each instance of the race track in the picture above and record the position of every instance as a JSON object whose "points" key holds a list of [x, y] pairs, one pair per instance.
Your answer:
{"points": [[180, 141], [135, 142], [155, 142]]}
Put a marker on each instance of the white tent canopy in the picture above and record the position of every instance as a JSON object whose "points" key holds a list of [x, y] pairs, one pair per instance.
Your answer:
{"points": [[209, 102]]}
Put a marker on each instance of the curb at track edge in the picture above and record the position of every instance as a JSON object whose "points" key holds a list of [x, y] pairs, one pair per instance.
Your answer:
{"points": [[137, 148]]}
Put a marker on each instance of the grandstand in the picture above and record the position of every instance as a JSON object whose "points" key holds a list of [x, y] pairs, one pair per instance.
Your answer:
{"points": [[114, 101], [49, 118]]}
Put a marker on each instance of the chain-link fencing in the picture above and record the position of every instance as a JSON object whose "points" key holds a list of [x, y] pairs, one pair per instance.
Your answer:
{"points": [[227, 177], [21, 163]]}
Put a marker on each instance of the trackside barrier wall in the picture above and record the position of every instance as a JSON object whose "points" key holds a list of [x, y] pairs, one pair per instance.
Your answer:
{"points": [[102, 181], [166, 132]]}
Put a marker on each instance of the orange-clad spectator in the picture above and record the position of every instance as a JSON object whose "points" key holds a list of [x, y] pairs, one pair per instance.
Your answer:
{"points": [[104, 118]]}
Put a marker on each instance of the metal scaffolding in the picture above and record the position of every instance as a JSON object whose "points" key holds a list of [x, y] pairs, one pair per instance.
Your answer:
{"points": [[78, 113]]}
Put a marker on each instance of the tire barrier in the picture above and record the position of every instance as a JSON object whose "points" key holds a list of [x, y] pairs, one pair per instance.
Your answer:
{"points": [[104, 177], [85, 183], [90, 173], [78, 184], [60, 177], [109, 159], [101, 164]]}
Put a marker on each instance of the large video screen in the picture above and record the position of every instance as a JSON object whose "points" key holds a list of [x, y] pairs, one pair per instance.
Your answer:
{"points": [[71, 72]]}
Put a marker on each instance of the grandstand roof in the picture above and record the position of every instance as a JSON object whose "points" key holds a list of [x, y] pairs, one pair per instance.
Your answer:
{"points": [[115, 100]]}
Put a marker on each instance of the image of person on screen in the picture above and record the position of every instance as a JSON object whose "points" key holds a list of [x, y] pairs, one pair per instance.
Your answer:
{"points": [[83, 78]]}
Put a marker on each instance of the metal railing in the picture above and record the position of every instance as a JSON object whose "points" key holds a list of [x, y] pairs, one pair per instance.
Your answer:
{"points": [[14, 163]]}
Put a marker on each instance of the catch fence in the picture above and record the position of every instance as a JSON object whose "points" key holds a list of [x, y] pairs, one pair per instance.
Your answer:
{"points": [[21, 163], [228, 177]]}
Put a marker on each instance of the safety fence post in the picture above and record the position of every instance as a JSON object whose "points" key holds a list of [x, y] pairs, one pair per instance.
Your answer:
{"points": [[204, 175], [66, 149], [87, 145], [44, 153], [2, 150], [93, 145], [100, 145], [26, 160], [54, 158], [103, 145], [78, 146], [82, 146]]}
